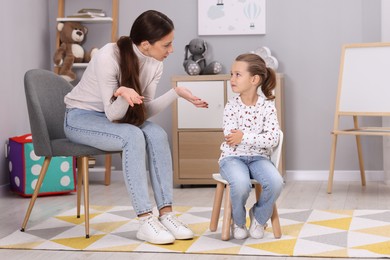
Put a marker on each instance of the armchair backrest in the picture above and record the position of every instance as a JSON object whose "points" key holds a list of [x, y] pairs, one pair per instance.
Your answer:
{"points": [[45, 92]]}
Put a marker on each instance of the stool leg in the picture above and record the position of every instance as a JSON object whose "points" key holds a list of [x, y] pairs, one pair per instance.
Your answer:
{"points": [[258, 191], [276, 223], [216, 206], [227, 215]]}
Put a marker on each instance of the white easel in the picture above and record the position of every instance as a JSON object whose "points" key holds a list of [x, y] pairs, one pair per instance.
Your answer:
{"points": [[363, 90]]}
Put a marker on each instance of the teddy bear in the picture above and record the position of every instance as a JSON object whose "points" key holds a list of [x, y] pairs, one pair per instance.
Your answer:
{"points": [[72, 36], [196, 64]]}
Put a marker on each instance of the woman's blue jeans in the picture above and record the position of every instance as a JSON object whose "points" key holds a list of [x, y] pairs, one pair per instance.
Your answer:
{"points": [[237, 171], [94, 129]]}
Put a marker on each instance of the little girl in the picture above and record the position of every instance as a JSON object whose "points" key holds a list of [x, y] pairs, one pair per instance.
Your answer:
{"points": [[251, 130]]}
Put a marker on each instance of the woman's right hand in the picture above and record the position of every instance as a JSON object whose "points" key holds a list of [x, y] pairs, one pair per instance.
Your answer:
{"points": [[187, 95], [130, 95]]}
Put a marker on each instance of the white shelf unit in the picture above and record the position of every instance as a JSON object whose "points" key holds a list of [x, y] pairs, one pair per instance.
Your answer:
{"points": [[113, 20]]}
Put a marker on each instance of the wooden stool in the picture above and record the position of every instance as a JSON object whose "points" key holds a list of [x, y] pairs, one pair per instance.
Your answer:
{"points": [[227, 215]]}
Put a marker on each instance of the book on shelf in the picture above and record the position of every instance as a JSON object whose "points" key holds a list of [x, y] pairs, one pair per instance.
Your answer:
{"points": [[88, 13]]}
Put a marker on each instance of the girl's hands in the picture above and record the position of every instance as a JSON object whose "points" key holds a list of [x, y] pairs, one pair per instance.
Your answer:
{"points": [[130, 95], [234, 138], [187, 95]]}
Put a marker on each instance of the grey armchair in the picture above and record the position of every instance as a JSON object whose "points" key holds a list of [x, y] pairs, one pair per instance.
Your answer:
{"points": [[45, 93]]}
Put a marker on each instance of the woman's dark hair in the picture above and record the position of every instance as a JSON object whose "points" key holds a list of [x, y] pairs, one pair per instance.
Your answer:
{"points": [[257, 66], [150, 26]]}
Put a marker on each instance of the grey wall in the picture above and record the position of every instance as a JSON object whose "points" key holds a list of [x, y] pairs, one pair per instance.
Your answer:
{"points": [[24, 45], [304, 35]]}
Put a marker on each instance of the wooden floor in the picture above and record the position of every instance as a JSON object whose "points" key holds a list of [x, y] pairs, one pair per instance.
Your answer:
{"points": [[296, 195]]}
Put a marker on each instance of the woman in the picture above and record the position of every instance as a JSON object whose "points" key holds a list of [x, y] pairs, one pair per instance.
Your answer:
{"points": [[109, 107]]}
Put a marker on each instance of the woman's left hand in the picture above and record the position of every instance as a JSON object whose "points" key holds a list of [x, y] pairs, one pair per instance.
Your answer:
{"points": [[187, 95], [131, 96]]}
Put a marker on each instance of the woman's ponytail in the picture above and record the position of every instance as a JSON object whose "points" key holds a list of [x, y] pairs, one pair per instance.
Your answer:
{"points": [[128, 63]]}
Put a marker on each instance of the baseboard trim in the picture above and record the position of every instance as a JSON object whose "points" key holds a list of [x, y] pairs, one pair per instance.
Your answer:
{"points": [[338, 175], [289, 176], [4, 189]]}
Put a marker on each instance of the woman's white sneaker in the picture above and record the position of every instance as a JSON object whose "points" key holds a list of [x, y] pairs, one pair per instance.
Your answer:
{"points": [[175, 226], [152, 231]]}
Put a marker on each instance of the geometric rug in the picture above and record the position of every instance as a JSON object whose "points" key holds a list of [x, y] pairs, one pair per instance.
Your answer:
{"points": [[307, 233]]}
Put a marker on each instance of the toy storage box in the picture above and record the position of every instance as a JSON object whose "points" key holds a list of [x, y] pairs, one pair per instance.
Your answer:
{"points": [[24, 168]]}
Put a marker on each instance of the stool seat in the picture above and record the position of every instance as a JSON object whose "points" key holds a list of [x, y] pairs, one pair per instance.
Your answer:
{"points": [[218, 177]]}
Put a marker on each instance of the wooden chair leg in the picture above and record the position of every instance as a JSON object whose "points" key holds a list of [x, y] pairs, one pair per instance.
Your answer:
{"points": [[332, 161], [86, 193], [216, 206], [227, 215], [276, 223], [41, 177], [79, 184], [107, 175]]}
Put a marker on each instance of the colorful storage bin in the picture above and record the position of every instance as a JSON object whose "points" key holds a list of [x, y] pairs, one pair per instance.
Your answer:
{"points": [[24, 168]]}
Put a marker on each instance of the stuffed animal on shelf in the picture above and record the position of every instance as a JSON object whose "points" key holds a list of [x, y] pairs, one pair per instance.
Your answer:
{"points": [[196, 64], [70, 51]]}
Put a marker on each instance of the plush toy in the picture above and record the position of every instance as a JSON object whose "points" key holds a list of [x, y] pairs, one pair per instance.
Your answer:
{"points": [[196, 63], [72, 36]]}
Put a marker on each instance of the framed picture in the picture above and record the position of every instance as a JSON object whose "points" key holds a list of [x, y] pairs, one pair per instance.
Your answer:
{"points": [[231, 17]]}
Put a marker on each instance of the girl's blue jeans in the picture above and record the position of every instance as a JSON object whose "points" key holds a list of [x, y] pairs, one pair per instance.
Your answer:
{"points": [[237, 171], [139, 145]]}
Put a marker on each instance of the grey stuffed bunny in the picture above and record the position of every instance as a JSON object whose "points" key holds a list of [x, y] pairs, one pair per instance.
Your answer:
{"points": [[196, 64]]}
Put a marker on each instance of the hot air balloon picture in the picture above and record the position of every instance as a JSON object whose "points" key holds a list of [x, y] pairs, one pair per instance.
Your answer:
{"points": [[252, 10]]}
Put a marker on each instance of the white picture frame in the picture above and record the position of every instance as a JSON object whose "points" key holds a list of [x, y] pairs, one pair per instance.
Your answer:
{"points": [[231, 17]]}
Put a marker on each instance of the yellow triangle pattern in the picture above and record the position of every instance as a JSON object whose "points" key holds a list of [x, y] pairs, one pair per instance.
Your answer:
{"points": [[339, 253], [379, 248], [75, 220], [101, 208], [199, 228], [79, 243], [181, 209], [179, 245], [290, 230], [339, 223], [341, 211], [284, 247], [108, 227], [379, 231]]}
